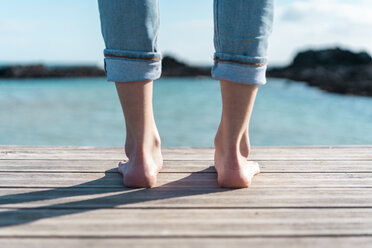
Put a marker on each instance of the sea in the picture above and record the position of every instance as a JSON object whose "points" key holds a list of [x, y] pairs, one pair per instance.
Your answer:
{"points": [[87, 112]]}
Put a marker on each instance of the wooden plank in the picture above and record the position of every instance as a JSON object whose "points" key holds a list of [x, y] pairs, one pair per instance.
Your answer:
{"points": [[185, 180], [28, 148], [181, 166], [299, 200], [260, 242], [360, 154], [94, 198], [185, 222]]}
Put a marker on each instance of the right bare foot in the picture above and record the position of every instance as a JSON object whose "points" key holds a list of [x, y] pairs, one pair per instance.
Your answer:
{"points": [[232, 144], [233, 168], [144, 164]]}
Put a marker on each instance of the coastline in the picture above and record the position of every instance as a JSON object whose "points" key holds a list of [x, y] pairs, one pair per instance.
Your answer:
{"points": [[333, 70], [171, 67]]}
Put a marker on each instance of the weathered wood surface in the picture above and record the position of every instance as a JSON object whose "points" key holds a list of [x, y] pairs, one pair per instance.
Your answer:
{"points": [[256, 242], [93, 198], [73, 197], [185, 180], [182, 166], [189, 153], [185, 222]]}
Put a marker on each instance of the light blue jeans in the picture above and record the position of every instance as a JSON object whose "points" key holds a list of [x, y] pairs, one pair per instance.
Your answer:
{"points": [[241, 30]]}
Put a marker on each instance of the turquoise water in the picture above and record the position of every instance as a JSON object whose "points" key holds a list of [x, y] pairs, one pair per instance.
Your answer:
{"points": [[86, 111]]}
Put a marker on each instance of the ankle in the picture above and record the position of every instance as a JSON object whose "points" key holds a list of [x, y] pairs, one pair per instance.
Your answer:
{"points": [[143, 146], [225, 142], [231, 147]]}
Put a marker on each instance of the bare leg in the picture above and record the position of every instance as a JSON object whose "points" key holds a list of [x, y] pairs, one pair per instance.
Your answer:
{"points": [[232, 139], [142, 145]]}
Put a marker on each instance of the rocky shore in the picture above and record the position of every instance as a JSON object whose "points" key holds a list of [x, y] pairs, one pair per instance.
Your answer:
{"points": [[170, 68], [334, 70], [41, 71]]}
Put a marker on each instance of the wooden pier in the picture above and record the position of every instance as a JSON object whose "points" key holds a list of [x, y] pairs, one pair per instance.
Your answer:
{"points": [[317, 196]]}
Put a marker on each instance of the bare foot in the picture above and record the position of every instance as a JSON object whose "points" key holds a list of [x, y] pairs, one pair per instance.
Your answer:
{"points": [[143, 166], [233, 168], [142, 145], [232, 144]]}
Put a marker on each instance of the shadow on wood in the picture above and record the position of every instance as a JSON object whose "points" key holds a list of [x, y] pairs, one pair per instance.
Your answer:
{"points": [[123, 196]]}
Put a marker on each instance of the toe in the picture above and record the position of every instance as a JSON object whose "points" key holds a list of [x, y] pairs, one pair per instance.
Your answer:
{"points": [[255, 167], [121, 167]]}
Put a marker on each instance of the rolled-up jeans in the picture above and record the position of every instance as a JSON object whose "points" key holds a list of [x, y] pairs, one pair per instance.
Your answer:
{"points": [[241, 29]]}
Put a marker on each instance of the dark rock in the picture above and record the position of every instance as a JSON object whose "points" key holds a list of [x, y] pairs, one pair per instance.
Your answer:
{"points": [[333, 57], [334, 70], [170, 68], [41, 71], [174, 68]]}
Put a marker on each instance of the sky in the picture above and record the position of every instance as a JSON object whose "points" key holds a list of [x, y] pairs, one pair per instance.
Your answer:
{"points": [[68, 32]]}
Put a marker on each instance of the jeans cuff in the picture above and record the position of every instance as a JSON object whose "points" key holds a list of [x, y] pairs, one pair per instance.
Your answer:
{"points": [[128, 66], [240, 73], [127, 70]]}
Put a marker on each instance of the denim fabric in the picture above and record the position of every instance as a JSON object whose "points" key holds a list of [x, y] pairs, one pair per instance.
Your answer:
{"points": [[130, 31], [241, 30]]}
